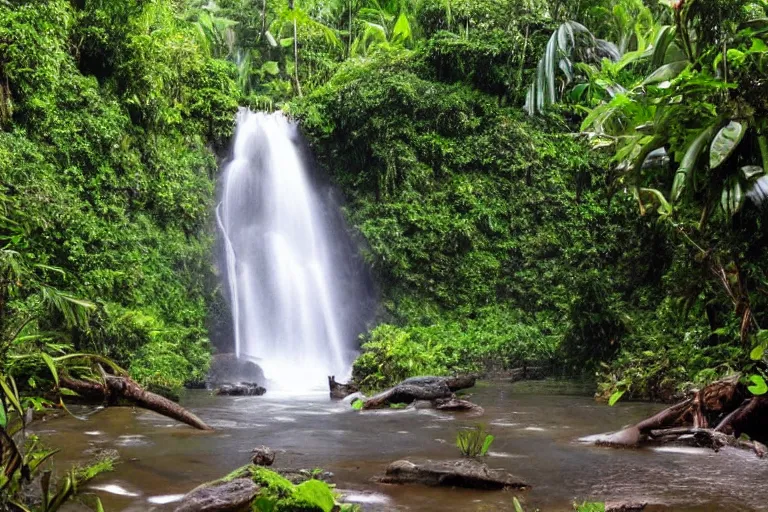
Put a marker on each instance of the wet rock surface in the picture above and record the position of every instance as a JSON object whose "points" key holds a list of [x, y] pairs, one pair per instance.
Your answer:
{"points": [[263, 456], [233, 496], [228, 369], [241, 389], [339, 390], [467, 473], [456, 404]]}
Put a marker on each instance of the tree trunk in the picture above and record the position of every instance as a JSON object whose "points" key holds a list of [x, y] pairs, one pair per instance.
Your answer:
{"points": [[124, 388], [295, 49]]}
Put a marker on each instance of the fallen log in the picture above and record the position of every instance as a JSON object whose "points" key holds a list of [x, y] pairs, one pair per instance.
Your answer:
{"points": [[750, 418], [721, 403], [407, 393], [115, 388], [420, 388]]}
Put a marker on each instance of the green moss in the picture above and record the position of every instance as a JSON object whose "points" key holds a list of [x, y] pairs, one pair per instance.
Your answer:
{"points": [[312, 495], [278, 494]]}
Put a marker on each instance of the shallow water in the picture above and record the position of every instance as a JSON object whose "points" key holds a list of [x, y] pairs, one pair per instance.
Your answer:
{"points": [[537, 428]]}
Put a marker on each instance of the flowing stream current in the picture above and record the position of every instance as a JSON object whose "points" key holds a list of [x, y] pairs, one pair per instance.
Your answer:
{"points": [[537, 428]]}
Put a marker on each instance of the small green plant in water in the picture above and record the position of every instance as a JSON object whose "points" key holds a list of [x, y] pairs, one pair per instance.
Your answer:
{"points": [[398, 406], [474, 442], [357, 404], [589, 506]]}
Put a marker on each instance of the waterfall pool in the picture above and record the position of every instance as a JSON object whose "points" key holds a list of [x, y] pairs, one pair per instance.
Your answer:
{"points": [[537, 428]]}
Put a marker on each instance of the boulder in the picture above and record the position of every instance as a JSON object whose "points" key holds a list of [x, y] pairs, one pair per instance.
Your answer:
{"points": [[298, 476], [232, 496], [469, 473], [339, 390], [455, 404], [241, 389], [263, 456], [227, 368]]}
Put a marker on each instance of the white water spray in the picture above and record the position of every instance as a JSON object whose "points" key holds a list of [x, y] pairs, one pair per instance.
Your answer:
{"points": [[283, 272]]}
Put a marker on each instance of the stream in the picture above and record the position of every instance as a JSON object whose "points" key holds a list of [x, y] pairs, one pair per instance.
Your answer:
{"points": [[537, 426]]}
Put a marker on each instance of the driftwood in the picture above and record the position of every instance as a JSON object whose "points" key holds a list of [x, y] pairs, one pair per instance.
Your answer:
{"points": [[714, 416], [114, 389], [420, 388]]}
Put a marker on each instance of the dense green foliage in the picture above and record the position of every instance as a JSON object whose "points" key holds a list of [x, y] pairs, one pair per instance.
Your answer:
{"points": [[497, 238], [108, 110]]}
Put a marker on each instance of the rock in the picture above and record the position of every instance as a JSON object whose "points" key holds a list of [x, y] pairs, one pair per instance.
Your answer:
{"points": [[241, 389], [528, 373], [632, 505], [421, 404], [455, 404], [263, 456], [298, 476], [233, 496], [469, 473], [339, 390], [227, 368]]}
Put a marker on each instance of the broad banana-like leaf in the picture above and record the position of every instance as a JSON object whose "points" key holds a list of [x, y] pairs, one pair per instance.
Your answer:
{"points": [[732, 197], [550, 56], [684, 172], [666, 72], [725, 143], [664, 38]]}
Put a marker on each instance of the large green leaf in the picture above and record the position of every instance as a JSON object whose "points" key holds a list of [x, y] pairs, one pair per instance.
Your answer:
{"points": [[616, 396], [725, 143], [666, 72], [661, 44], [683, 175], [401, 33], [3, 415], [758, 387], [51, 366]]}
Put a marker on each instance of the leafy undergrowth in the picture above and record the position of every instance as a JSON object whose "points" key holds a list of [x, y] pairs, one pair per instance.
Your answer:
{"points": [[496, 339], [278, 494]]}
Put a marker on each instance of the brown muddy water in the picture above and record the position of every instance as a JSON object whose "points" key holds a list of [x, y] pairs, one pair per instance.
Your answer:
{"points": [[537, 428]]}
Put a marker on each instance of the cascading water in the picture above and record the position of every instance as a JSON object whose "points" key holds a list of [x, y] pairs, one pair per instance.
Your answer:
{"points": [[292, 272]]}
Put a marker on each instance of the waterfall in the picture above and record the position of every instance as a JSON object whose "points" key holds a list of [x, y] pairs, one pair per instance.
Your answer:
{"points": [[297, 293]]}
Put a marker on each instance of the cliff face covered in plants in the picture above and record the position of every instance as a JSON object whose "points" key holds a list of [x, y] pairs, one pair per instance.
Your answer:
{"points": [[569, 182], [108, 112]]}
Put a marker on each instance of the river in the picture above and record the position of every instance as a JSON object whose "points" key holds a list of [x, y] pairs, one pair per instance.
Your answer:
{"points": [[537, 428]]}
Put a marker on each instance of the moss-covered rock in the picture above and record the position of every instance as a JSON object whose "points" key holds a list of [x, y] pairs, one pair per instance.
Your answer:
{"points": [[261, 490]]}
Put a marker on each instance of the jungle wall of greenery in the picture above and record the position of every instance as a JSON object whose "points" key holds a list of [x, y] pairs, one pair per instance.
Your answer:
{"points": [[576, 183]]}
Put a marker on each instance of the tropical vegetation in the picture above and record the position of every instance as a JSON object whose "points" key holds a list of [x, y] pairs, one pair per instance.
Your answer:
{"points": [[581, 184]]}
